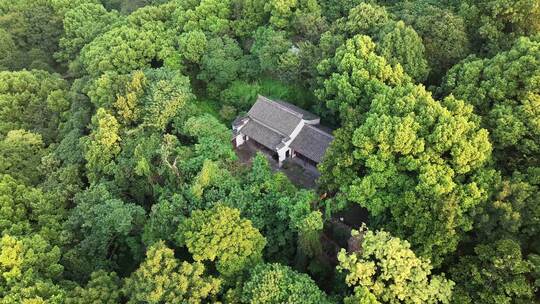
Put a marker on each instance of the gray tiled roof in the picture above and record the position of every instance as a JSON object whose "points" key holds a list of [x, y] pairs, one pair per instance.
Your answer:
{"points": [[278, 117], [305, 114], [271, 123], [262, 134], [312, 142], [239, 120]]}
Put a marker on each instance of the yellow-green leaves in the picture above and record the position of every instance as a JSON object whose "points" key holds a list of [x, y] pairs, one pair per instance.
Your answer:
{"points": [[504, 92], [28, 267], [401, 154], [128, 47], [82, 24], [25, 210], [102, 145], [20, 155], [127, 105], [400, 44], [221, 235], [32, 100], [192, 45], [386, 270], [161, 278], [276, 283], [103, 288]]}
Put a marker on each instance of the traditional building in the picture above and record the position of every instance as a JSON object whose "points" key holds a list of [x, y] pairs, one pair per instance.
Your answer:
{"points": [[284, 130]]}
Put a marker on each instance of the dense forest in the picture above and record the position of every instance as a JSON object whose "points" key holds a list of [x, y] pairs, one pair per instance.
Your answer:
{"points": [[119, 182]]}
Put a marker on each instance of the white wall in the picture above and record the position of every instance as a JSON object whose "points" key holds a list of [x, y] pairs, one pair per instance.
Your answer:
{"points": [[240, 139]]}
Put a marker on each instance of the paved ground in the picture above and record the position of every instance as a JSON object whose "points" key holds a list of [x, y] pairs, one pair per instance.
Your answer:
{"points": [[300, 174]]}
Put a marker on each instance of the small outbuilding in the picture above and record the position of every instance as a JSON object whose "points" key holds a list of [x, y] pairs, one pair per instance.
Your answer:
{"points": [[284, 130]]}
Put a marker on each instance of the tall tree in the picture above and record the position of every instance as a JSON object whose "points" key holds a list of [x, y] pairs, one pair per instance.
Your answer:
{"points": [[400, 44], [102, 145], [103, 287], [335, 9], [8, 49], [443, 33], [511, 209], [300, 17], [396, 41], [221, 64], [161, 278], [275, 283], [398, 144], [495, 24], [131, 46], [497, 273], [105, 232], [219, 234], [211, 16], [385, 270], [33, 101], [30, 268], [249, 15], [35, 28], [26, 210], [193, 45], [82, 24], [20, 156], [268, 47], [505, 93]]}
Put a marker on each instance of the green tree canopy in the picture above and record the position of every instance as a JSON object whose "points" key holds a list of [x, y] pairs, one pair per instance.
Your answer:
{"points": [[163, 279], [301, 17], [8, 49], [128, 47], [164, 218], [442, 31], [219, 234], [345, 87], [193, 45], [35, 27], [103, 287], [511, 209], [495, 24], [398, 144], [104, 231], [269, 47], [386, 270], [26, 210], [249, 15], [211, 16], [29, 267], [32, 100], [102, 145], [220, 64], [496, 274], [400, 44], [212, 140], [504, 91], [20, 156], [335, 9], [82, 24], [276, 283], [396, 41]]}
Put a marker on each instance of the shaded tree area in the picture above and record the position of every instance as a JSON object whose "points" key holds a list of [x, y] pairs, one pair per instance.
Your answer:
{"points": [[119, 183]]}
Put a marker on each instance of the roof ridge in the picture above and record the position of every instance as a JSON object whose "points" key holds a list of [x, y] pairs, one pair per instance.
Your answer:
{"points": [[299, 115], [319, 130]]}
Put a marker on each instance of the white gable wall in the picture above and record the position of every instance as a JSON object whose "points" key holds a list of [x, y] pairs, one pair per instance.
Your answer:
{"points": [[283, 151]]}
